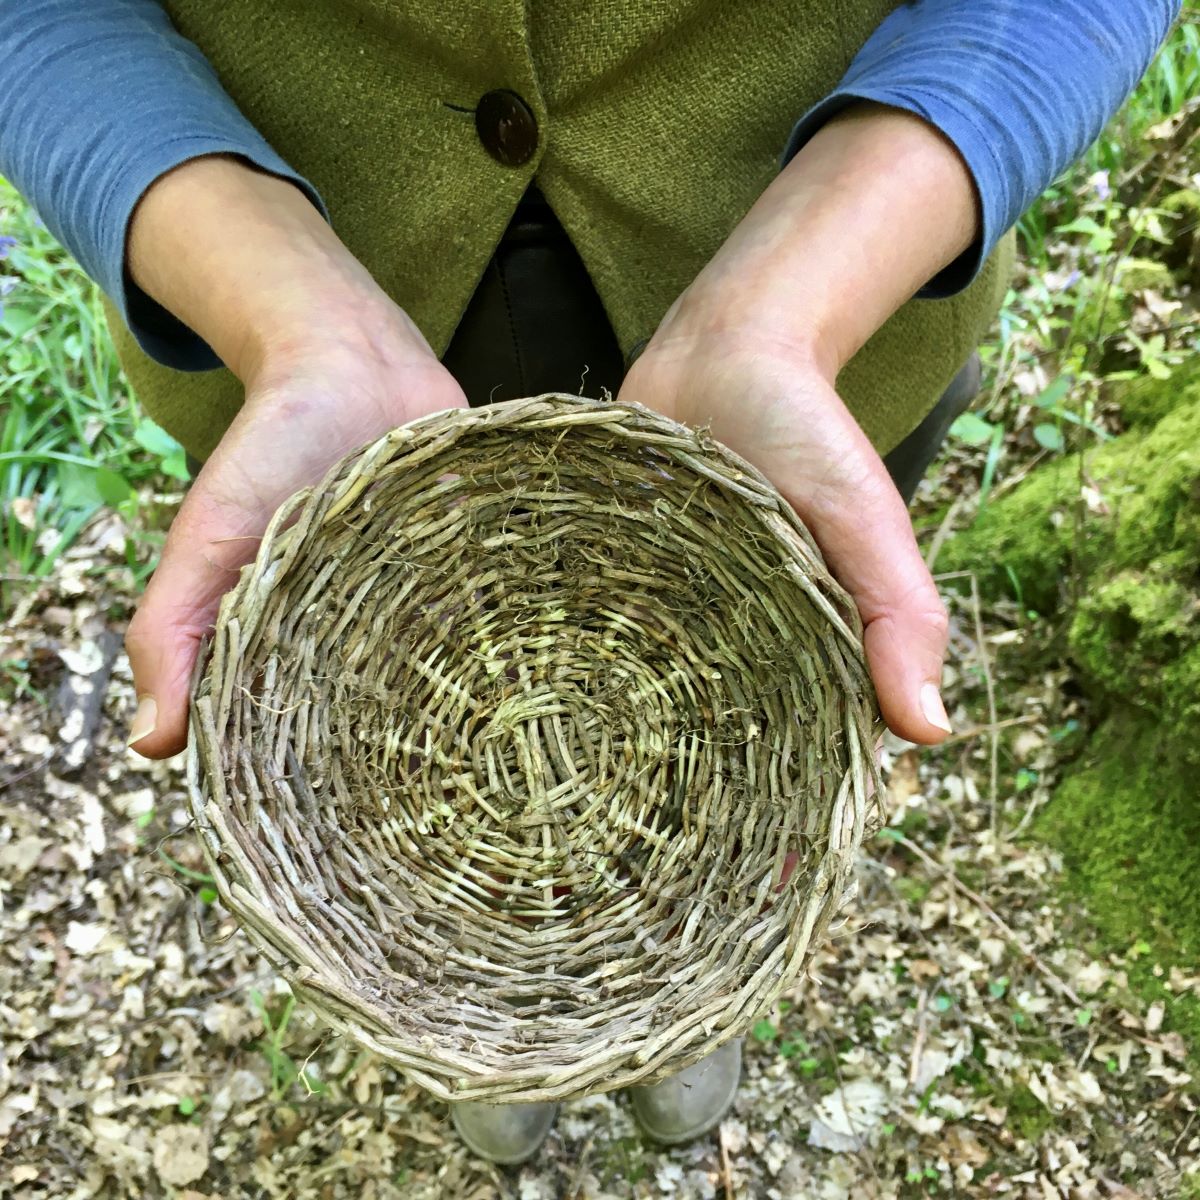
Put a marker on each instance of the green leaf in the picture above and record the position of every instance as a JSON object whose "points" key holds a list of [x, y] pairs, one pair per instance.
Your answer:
{"points": [[764, 1031], [942, 1002], [1083, 1017], [175, 465], [78, 486], [972, 429], [790, 1047], [18, 321], [1099, 238], [892, 833], [152, 437], [186, 872], [1055, 392], [187, 1106], [113, 488], [995, 451], [157, 441], [1048, 436], [998, 987], [207, 895]]}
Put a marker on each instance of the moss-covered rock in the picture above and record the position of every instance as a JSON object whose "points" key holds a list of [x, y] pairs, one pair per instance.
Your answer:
{"points": [[1145, 401], [1110, 540], [1138, 274], [1132, 504], [1129, 828], [1184, 250]]}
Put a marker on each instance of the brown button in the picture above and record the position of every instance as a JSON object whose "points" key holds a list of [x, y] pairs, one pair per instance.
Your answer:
{"points": [[506, 127]]}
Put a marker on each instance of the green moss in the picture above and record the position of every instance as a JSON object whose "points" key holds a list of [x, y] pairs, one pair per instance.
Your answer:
{"points": [[1022, 545], [1137, 274], [1137, 636], [622, 1161], [1184, 249], [1028, 1117], [1144, 401], [1127, 820], [1045, 535], [1110, 541]]}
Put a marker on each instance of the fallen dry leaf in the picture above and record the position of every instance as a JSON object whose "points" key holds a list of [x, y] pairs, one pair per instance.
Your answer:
{"points": [[180, 1154]]}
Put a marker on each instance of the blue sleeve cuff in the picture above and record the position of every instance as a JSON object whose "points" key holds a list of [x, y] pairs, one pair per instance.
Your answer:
{"points": [[100, 100], [1020, 87]]}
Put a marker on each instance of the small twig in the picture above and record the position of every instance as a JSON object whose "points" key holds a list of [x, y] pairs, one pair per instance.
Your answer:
{"points": [[1036, 800], [866, 1157], [944, 530], [914, 1063], [1179, 1140], [32, 770], [1087, 1052], [994, 733], [978, 730], [1063, 989], [575, 1191], [726, 1173]]}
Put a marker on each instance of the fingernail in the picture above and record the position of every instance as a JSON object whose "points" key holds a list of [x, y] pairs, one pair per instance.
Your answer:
{"points": [[933, 708], [144, 720]]}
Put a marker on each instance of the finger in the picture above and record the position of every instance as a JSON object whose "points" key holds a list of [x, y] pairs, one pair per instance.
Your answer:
{"points": [[271, 450], [807, 443], [208, 541], [863, 528]]}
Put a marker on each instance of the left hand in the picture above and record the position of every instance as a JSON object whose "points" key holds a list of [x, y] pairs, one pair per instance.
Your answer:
{"points": [[863, 216]]}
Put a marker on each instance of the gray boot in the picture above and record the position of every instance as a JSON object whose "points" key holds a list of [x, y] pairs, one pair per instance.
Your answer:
{"points": [[694, 1101], [503, 1133]]}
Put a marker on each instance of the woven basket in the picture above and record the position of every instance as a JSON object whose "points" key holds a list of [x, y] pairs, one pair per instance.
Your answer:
{"points": [[504, 745]]}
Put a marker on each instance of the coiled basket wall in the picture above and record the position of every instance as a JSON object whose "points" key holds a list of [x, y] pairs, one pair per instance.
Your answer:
{"points": [[535, 747]]}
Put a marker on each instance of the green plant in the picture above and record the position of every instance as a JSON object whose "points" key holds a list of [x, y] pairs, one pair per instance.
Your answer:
{"points": [[285, 1071], [71, 438]]}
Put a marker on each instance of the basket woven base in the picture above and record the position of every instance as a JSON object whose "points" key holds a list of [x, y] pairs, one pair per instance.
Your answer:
{"points": [[505, 744]]}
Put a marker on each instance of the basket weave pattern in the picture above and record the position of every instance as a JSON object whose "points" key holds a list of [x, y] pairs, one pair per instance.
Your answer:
{"points": [[502, 743]]}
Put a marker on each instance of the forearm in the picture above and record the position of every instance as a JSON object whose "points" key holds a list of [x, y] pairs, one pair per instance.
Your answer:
{"points": [[243, 258], [97, 101], [865, 214]]}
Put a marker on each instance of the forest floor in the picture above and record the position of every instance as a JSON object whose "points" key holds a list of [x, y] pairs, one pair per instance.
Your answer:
{"points": [[959, 1036]]}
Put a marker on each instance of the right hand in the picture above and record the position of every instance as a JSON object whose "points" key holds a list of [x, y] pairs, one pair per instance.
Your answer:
{"points": [[328, 361]]}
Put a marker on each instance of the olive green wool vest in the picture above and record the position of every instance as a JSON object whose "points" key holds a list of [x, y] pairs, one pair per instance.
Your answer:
{"points": [[659, 124]]}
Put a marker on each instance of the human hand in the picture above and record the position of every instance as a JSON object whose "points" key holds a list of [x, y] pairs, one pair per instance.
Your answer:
{"points": [[328, 362], [868, 211]]}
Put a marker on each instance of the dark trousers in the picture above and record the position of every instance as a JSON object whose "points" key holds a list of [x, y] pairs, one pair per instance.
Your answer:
{"points": [[535, 324]]}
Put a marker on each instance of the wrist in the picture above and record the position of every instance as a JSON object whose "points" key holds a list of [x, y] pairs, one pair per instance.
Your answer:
{"points": [[244, 259]]}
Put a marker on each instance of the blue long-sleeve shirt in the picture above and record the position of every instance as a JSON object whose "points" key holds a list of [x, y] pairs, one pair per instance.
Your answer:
{"points": [[99, 99]]}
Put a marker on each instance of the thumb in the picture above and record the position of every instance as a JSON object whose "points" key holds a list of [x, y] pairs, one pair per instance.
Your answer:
{"points": [[209, 540], [865, 533], [276, 444]]}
